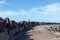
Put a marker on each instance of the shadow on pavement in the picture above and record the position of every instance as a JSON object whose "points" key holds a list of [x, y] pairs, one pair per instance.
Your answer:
{"points": [[25, 35]]}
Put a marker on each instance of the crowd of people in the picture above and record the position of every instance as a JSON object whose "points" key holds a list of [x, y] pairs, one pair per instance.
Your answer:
{"points": [[10, 28]]}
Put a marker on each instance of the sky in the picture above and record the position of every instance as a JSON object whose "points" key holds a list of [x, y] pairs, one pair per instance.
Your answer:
{"points": [[33, 10]]}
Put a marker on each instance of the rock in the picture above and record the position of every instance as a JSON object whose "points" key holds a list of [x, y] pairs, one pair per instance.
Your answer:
{"points": [[17, 29], [4, 36], [12, 33]]}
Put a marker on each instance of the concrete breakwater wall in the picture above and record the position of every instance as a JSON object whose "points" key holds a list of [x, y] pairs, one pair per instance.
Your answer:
{"points": [[10, 28]]}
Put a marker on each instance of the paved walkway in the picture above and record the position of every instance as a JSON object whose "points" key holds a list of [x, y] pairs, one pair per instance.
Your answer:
{"points": [[37, 33]]}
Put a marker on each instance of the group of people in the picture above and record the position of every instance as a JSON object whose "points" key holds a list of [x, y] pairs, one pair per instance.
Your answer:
{"points": [[11, 28]]}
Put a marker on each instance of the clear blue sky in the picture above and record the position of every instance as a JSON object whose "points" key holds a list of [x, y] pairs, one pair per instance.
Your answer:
{"points": [[34, 10]]}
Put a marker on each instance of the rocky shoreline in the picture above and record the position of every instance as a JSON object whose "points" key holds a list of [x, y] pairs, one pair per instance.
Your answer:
{"points": [[10, 28]]}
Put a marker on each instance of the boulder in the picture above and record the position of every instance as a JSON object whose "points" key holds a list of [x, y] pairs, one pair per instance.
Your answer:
{"points": [[11, 33], [4, 36]]}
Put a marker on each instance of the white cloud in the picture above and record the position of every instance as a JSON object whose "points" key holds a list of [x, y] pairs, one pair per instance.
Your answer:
{"points": [[53, 9], [35, 10], [3, 2], [12, 13]]}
